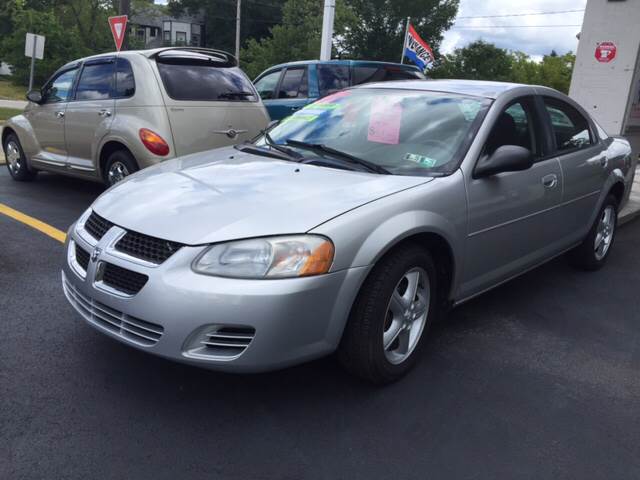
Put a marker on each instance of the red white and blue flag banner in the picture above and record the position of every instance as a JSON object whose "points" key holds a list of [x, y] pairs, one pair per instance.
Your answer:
{"points": [[416, 49]]}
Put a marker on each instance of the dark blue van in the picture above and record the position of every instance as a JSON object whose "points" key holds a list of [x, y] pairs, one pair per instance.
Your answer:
{"points": [[288, 87]]}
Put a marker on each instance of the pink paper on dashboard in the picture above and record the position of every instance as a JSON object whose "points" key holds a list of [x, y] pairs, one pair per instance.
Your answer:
{"points": [[384, 122]]}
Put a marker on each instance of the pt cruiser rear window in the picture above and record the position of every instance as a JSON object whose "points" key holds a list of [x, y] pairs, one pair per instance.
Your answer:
{"points": [[195, 76]]}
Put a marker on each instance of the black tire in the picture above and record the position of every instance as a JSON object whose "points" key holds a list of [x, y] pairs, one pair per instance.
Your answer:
{"points": [[586, 256], [121, 161], [361, 350], [19, 168]]}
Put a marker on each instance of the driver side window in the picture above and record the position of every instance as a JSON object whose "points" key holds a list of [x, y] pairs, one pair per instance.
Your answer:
{"points": [[513, 127], [59, 89]]}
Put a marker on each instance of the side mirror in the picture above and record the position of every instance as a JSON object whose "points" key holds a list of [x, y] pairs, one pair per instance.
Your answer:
{"points": [[508, 158], [34, 96]]}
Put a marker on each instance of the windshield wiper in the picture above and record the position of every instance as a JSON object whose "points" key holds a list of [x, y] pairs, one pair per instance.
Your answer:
{"points": [[320, 148], [256, 150], [236, 94], [281, 148]]}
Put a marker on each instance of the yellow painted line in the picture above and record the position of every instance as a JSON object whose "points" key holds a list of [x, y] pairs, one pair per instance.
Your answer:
{"points": [[33, 223]]}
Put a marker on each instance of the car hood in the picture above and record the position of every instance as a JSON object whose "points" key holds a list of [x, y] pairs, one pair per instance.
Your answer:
{"points": [[225, 194]]}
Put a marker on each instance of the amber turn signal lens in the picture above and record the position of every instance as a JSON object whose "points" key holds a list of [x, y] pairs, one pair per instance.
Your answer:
{"points": [[319, 261], [154, 142]]}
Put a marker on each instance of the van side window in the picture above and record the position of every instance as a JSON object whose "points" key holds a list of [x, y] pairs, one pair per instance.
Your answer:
{"points": [[59, 89], [294, 84], [267, 85], [125, 82], [96, 82], [332, 78], [570, 128]]}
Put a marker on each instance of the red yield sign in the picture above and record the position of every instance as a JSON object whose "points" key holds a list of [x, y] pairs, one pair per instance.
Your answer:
{"points": [[118, 29], [606, 52]]}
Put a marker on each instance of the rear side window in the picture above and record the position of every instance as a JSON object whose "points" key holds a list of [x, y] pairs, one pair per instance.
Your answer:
{"points": [[195, 79], [570, 127], [267, 85], [125, 82], [294, 84], [96, 82], [332, 78], [383, 74]]}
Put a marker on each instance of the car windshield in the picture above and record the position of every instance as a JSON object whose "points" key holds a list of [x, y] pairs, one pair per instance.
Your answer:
{"points": [[404, 132]]}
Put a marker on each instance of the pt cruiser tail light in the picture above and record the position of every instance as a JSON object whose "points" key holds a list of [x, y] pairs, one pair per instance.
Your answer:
{"points": [[154, 142]]}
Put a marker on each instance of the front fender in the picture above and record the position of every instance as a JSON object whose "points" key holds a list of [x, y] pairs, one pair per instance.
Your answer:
{"points": [[22, 128]]}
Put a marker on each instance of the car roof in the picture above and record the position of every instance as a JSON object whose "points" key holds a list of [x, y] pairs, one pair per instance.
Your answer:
{"points": [[145, 53], [343, 62], [478, 88]]}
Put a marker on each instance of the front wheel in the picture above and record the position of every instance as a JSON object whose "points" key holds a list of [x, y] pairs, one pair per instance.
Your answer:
{"points": [[592, 253], [16, 160], [390, 318]]}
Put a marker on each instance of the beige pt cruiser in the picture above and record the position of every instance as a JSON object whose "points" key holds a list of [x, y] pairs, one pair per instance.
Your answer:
{"points": [[106, 116]]}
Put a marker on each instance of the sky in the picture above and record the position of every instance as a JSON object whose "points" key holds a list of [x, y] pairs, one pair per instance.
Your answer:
{"points": [[510, 32]]}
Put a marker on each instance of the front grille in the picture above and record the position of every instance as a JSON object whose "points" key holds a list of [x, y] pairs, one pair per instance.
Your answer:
{"points": [[97, 226], [127, 327], [122, 279], [82, 257], [147, 248]]}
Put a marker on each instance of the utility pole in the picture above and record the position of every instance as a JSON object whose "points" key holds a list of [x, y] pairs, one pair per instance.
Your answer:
{"points": [[327, 29], [125, 9], [238, 13]]}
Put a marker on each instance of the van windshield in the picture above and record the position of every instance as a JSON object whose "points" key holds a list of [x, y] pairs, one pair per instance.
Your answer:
{"points": [[403, 131], [202, 78]]}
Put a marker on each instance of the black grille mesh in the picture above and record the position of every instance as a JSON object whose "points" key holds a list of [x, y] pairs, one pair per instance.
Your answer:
{"points": [[82, 257], [147, 248], [123, 280], [97, 226]]}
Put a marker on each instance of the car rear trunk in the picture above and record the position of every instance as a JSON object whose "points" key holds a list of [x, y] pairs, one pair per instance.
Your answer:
{"points": [[210, 102]]}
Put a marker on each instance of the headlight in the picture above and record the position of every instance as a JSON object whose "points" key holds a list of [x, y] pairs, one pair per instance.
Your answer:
{"points": [[271, 257]]}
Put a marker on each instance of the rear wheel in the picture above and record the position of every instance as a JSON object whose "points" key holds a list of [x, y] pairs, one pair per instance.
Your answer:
{"points": [[594, 250], [119, 165], [16, 160], [390, 318]]}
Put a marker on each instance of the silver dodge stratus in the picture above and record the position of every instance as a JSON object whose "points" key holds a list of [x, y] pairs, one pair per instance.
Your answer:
{"points": [[350, 226]]}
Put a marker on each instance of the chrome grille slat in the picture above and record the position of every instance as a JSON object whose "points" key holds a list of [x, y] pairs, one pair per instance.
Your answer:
{"points": [[224, 345], [230, 336], [127, 327]]}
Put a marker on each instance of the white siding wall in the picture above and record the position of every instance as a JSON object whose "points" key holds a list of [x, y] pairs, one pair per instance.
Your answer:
{"points": [[604, 89]]}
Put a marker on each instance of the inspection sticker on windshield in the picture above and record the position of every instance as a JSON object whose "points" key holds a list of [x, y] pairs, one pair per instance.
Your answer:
{"points": [[421, 160], [384, 122], [298, 117]]}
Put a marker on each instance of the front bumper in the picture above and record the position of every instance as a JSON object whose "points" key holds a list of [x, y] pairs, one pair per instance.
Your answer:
{"points": [[295, 320]]}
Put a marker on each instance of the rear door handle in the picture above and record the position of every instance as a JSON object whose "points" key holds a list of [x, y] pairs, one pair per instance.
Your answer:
{"points": [[59, 114], [550, 181], [104, 113]]}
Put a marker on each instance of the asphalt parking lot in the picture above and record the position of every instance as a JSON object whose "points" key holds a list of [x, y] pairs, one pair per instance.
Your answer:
{"points": [[536, 379]]}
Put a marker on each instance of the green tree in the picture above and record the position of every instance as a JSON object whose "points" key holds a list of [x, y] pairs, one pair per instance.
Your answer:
{"points": [[555, 71], [380, 25], [477, 61], [297, 38]]}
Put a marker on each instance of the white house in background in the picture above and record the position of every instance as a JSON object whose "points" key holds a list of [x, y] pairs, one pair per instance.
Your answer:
{"points": [[606, 76], [152, 26], [4, 69]]}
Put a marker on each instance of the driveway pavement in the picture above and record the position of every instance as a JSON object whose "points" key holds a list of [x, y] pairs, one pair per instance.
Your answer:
{"points": [[538, 379]]}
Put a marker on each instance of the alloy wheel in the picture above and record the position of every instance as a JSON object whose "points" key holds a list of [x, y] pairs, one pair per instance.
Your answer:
{"points": [[604, 235], [14, 159], [406, 315], [117, 172]]}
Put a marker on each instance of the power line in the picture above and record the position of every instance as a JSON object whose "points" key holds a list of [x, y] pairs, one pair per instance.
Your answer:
{"points": [[513, 26], [557, 12]]}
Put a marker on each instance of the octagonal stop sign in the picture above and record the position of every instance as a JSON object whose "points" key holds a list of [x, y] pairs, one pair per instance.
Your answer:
{"points": [[606, 52]]}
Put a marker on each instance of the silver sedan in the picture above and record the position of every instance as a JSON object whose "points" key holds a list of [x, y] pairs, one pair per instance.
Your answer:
{"points": [[351, 226]]}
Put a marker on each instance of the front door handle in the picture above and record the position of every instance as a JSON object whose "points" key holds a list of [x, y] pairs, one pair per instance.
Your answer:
{"points": [[550, 181], [59, 114], [104, 113]]}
